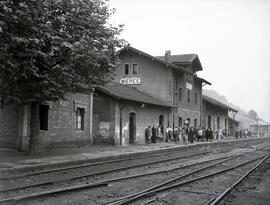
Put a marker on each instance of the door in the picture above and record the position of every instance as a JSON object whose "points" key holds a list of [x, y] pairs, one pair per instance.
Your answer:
{"points": [[161, 123], [209, 122], [132, 128]]}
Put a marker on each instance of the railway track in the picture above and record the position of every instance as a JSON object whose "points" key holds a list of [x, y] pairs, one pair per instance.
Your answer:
{"points": [[102, 183], [107, 182], [8, 175], [173, 183], [224, 194]]}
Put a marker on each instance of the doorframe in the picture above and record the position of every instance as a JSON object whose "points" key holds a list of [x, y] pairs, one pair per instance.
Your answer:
{"points": [[132, 133]]}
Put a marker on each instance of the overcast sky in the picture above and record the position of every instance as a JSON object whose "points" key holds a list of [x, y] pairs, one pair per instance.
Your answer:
{"points": [[231, 37]]}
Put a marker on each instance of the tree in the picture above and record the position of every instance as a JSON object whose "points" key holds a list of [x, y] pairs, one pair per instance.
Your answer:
{"points": [[52, 47], [252, 114]]}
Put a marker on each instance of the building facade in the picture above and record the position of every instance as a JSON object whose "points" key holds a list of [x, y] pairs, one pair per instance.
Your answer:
{"points": [[122, 113], [171, 80], [171, 77], [160, 91], [233, 126], [62, 123], [215, 116], [261, 128]]}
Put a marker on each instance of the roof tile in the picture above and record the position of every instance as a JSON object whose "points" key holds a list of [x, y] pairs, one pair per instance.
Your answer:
{"points": [[126, 92]]}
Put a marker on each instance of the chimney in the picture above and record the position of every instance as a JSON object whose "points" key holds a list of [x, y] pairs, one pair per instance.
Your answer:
{"points": [[168, 57]]}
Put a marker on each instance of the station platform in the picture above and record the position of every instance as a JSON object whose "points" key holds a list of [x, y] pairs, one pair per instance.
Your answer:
{"points": [[12, 160]]}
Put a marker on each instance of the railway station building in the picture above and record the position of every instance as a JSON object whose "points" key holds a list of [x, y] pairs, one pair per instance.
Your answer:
{"points": [[62, 123], [170, 80], [146, 90], [121, 113], [216, 116], [233, 126]]}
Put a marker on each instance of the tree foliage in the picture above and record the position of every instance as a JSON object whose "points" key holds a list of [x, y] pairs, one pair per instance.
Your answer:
{"points": [[252, 114], [51, 47]]}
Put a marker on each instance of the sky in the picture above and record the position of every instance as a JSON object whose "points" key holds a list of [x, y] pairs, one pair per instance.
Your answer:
{"points": [[231, 38]]}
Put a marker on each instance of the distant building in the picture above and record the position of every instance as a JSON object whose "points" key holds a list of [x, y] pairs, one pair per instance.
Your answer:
{"points": [[260, 127], [215, 115]]}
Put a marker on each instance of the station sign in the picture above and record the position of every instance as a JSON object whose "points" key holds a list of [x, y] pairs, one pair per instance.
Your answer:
{"points": [[130, 81], [189, 86]]}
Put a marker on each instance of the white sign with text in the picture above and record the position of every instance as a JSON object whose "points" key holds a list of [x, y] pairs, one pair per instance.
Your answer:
{"points": [[189, 86], [130, 81]]}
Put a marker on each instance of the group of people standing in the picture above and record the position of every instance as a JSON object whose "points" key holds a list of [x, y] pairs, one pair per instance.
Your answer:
{"points": [[189, 134], [186, 134], [154, 134]]}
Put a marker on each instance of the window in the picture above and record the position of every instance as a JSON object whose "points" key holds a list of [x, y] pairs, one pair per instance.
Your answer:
{"points": [[126, 69], [80, 119], [195, 123], [196, 99], [188, 96], [135, 69], [43, 116], [180, 94]]}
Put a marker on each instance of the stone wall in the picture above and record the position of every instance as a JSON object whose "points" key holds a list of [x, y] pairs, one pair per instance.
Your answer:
{"points": [[145, 115], [104, 118], [15, 124], [107, 125], [156, 78], [62, 119], [9, 115]]}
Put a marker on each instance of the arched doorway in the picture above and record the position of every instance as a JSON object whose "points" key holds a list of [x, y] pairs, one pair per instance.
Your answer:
{"points": [[161, 123], [132, 127]]}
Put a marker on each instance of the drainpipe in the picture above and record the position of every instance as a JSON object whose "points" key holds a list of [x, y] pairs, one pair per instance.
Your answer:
{"points": [[91, 116]]}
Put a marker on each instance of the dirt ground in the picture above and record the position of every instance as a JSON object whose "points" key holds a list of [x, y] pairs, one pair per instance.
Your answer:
{"points": [[255, 190]]}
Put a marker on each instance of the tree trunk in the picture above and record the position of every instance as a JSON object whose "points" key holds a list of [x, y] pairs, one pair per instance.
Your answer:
{"points": [[36, 145]]}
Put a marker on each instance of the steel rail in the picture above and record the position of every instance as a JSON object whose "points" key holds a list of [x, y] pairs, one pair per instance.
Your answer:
{"points": [[103, 162], [170, 181], [227, 191], [49, 192], [96, 184], [156, 190], [100, 172], [86, 165], [99, 163]]}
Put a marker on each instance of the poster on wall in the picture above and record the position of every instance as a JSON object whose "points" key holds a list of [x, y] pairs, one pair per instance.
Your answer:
{"points": [[104, 129]]}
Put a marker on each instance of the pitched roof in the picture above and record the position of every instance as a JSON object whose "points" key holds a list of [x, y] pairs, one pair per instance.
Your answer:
{"points": [[184, 58], [203, 80], [126, 92], [234, 120], [160, 60], [218, 103]]}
